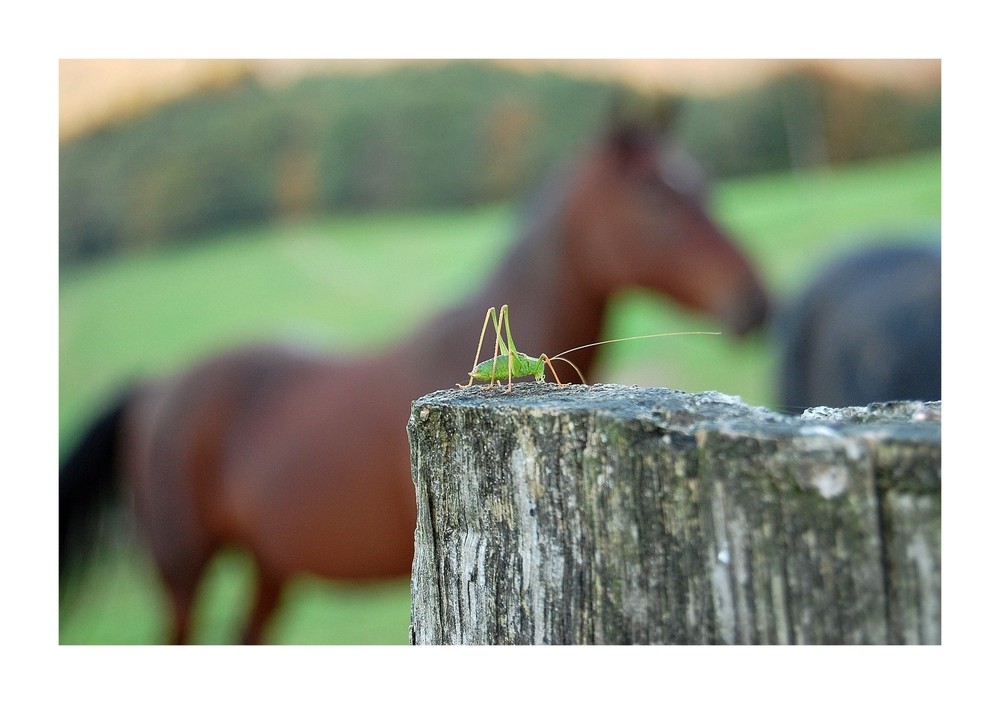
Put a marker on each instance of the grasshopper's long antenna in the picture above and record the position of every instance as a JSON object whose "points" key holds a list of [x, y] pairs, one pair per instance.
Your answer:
{"points": [[563, 359], [625, 339]]}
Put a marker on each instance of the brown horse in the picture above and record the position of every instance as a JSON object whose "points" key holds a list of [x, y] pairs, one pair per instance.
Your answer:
{"points": [[303, 459]]}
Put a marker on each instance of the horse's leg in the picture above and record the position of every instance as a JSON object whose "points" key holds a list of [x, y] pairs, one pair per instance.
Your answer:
{"points": [[269, 588], [181, 580], [181, 601], [182, 550]]}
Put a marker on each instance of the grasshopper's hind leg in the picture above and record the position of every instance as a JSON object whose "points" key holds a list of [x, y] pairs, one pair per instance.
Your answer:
{"points": [[486, 321], [510, 351], [500, 348], [491, 313]]}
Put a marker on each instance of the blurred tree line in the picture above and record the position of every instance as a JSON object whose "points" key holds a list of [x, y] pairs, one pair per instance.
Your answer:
{"points": [[427, 135]]}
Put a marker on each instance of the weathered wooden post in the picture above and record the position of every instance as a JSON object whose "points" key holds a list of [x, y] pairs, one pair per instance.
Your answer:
{"points": [[612, 514]]}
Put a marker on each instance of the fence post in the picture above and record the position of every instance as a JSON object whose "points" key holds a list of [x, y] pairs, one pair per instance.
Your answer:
{"points": [[611, 514]]}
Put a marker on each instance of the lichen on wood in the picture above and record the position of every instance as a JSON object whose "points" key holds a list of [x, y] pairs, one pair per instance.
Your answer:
{"points": [[611, 514]]}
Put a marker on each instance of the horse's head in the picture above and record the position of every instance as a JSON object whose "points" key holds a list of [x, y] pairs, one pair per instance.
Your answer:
{"points": [[635, 217]]}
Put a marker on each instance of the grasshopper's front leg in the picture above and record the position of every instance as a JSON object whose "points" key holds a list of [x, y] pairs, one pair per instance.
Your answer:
{"points": [[546, 361]]}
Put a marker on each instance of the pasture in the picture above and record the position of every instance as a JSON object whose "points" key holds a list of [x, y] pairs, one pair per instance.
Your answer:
{"points": [[355, 283]]}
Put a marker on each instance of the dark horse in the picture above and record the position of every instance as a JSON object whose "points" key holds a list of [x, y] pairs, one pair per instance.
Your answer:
{"points": [[303, 459], [867, 329]]}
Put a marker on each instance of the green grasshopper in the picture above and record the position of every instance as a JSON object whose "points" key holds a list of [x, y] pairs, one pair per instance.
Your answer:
{"points": [[508, 362]]}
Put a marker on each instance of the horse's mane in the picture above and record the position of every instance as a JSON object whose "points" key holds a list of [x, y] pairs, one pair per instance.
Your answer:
{"points": [[542, 203]]}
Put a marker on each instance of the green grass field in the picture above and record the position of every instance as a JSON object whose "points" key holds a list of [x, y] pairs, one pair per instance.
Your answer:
{"points": [[360, 282]]}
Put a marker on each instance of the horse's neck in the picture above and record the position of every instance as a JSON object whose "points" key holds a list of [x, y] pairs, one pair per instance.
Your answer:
{"points": [[550, 309]]}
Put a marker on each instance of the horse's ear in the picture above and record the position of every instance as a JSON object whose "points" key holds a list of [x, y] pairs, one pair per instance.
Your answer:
{"points": [[619, 109], [636, 119], [664, 112], [626, 111]]}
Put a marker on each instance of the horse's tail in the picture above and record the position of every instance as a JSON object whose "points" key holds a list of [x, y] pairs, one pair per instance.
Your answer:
{"points": [[88, 486]]}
